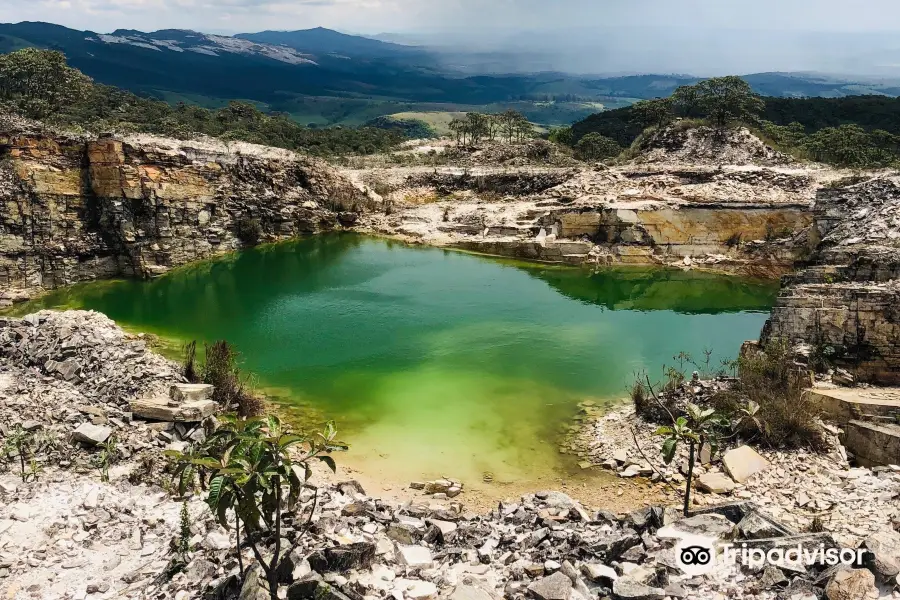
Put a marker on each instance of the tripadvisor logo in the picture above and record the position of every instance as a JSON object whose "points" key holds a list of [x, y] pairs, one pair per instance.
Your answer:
{"points": [[696, 555], [699, 555]]}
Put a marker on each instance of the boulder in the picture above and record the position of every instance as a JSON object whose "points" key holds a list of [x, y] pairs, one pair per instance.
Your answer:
{"points": [[883, 555], [852, 584], [743, 463], [404, 533], [416, 589], [415, 557], [360, 555], [254, 587], [470, 592], [216, 540], [447, 528], [709, 525], [200, 569], [612, 545], [715, 483], [162, 409], [439, 486], [293, 566], [190, 392], [599, 573], [771, 577], [555, 587], [756, 527], [625, 588], [91, 434], [631, 471], [351, 487], [313, 588]]}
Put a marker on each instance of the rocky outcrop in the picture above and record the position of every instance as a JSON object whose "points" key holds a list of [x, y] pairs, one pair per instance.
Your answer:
{"points": [[745, 219], [686, 142], [844, 306], [80, 208]]}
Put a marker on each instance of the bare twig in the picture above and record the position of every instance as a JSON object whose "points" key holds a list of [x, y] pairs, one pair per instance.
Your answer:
{"points": [[647, 460]]}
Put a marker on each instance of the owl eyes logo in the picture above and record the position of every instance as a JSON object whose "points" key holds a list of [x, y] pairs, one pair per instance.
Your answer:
{"points": [[695, 556]]}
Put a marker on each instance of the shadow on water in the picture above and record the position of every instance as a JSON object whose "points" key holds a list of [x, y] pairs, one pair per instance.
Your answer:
{"points": [[435, 361]]}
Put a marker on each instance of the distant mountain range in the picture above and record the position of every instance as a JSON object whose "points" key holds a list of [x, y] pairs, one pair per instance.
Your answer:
{"points": [[276, 66]]}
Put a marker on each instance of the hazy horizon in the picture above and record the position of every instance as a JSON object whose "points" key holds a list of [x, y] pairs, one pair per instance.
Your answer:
{"points": [[697, 37]]}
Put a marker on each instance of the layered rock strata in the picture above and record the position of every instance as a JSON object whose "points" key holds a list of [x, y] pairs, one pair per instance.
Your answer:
{"points": [[82, 208], [846, 305]]}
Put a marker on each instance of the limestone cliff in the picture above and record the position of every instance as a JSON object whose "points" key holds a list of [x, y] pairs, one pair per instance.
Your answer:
{"points": [[80, 208], [846, 304], [743, 219]]}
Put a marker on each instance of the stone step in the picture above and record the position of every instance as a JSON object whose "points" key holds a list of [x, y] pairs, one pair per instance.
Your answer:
{"points": [[191, 392], [873, 444], [165, 409], [846, 404]]}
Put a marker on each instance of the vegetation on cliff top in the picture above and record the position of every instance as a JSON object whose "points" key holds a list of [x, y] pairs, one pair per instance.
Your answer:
{"points": [[858, 131], [38, 84]]}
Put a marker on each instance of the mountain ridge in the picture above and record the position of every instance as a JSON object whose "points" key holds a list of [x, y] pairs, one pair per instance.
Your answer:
{"points": [[177, 64]]}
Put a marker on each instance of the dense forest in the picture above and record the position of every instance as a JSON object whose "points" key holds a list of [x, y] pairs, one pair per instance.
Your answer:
{"points": [[869, 112], [38, 84]]}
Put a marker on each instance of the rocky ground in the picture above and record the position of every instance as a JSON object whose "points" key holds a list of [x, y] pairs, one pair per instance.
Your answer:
{"points": [[795, 486], [68, 378]]}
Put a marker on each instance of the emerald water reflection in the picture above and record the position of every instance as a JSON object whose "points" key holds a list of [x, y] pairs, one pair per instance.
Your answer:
{"points": [[435, 361]]}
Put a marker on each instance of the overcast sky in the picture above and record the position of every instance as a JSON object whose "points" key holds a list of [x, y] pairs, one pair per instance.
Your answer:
{"points": [[374, 16]]}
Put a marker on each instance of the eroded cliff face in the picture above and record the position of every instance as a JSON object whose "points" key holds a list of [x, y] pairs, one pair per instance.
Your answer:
{"points": [[743, 219], [75, 209], [845, 306]]}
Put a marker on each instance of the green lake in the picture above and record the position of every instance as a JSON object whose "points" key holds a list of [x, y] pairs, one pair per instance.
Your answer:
{"points": [[432, 361]]}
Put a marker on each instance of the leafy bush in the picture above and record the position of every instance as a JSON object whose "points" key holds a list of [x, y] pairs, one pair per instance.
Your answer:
{"points": [[594, 146], [257, 469], [698, 428], [189, 362], [856, 131], [852, 146], [220, 369], [562, 136], [772, 385], [20, 443], [413, 129], [248, 230]]}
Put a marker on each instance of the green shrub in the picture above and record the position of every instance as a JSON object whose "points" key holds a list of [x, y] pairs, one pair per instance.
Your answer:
{"points": [[257, 469], [770, 380], [594, 146], [220, 369], [248, 230]]}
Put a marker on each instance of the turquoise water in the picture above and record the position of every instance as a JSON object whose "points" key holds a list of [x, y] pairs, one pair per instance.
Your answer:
{"points": [[431, 361]]}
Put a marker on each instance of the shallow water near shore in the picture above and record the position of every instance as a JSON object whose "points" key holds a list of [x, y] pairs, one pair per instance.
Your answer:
{"points": [[434, 362]]}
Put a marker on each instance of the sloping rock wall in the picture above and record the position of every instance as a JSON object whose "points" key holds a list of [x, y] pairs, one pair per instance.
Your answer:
{"points": [[846, 304], [75, 209]]}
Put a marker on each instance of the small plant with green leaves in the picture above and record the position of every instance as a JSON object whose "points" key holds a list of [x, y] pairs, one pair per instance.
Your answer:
{"points": [[34, 470], [257, 469], [700, 427], [20, 443], [108, 455], [184, 533]]}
